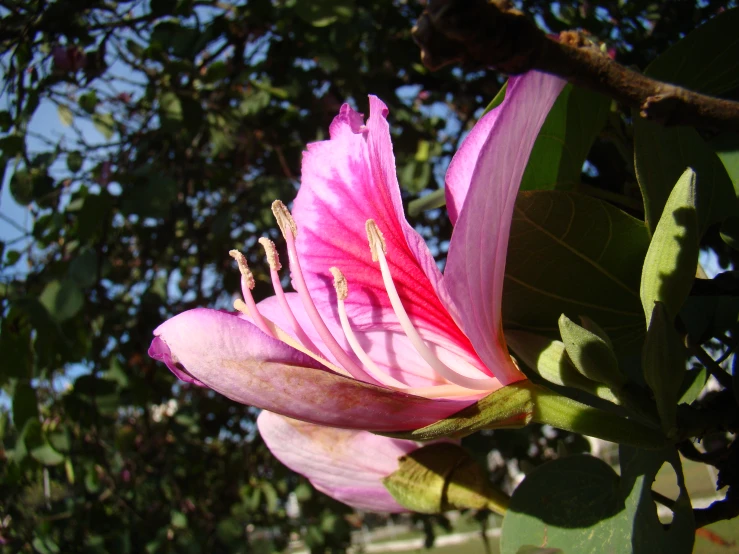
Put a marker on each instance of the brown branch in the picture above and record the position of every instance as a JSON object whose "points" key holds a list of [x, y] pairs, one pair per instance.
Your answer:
{"points": [[482, 34]]}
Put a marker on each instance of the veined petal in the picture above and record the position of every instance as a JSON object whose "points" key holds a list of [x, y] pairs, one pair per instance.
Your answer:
{"points": [[346, 181], [475, 268], [233, 357], [459, 175], [390, 349], [345, 465]]}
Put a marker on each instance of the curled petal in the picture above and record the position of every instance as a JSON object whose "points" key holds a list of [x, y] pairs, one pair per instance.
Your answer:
{"points": [[475, 269], [346, 465], [346, 181], [233, 357]]}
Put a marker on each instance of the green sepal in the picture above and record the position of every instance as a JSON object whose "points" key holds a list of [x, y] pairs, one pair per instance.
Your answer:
{"points": [[441, 477], [663, 362], [548, 358], [518, 404], [672, 258], [592, 356]]}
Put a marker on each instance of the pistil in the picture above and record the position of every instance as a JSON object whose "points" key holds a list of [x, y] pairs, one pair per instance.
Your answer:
{"points": [[377, 246]]}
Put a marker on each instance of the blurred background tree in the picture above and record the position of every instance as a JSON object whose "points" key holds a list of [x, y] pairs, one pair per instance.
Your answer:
{"points": [[140, 142]]}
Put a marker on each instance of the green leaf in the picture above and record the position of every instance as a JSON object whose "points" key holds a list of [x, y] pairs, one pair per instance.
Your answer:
{"points": [[663, 363], [46, 455], [548, 358], [672, 258], [441, 477], [65, 114], [170, 107], [435, 199], [179, 520], [151, 196], [580, 505], [21, 186], [706, 60], [661, 155], [726, 146], [88, 101], [556, 236], [25, 405], [695, 380], [321, 13], [730, 232], [83, 268], [63, 299], [44, 545], [74, 161], [590, 354], [498, 100], [563, 143], [105, 124]]}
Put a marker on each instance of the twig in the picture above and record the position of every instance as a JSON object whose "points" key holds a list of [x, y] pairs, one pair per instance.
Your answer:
{"points": [[480, 33], [712, 367]]}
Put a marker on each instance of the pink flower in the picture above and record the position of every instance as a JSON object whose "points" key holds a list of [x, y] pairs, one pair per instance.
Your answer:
{"points": [[388, 344], [346, 465], [68, 59]]}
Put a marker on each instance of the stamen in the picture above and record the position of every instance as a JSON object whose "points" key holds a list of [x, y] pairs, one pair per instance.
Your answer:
{"points": [[376, 240], [274, 264], [377, 245], [247, 285], [284, 218], [281, 335], [289, 230], [342, 291]]}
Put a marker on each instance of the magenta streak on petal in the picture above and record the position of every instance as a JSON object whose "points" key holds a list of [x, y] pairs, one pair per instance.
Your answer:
{"points": [[233, 357], [347, 180], [477, 252], [328, 339]]}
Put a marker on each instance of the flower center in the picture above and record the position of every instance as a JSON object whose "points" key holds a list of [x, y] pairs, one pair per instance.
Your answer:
{"points": [[460, 385]]}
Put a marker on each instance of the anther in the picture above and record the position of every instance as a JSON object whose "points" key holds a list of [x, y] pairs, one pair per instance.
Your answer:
{"points": [[342, 289], [376, 240], [247, 285], [243, 268], [271, 251], [284, 218]]}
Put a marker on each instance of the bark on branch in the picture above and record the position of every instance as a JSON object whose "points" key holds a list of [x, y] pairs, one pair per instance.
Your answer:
{"points": [[483, 34]]}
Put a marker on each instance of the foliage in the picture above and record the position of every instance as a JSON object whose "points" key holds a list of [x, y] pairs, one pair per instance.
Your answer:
{"points": [[145, 139]]}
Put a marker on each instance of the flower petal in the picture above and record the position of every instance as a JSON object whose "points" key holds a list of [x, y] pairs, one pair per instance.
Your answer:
{"points": [[346, 465], [346, 181], [233, 357], [476, 262], [389, 349]]}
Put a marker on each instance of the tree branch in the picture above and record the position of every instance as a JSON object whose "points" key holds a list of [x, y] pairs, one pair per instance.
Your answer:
{"points": [[482, 34]]}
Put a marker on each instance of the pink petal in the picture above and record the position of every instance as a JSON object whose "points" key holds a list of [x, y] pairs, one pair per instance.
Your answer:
{"points": [[459, 175], [476, 262], [233, 357], [345, 465], [346, 181], [390, 349]]}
